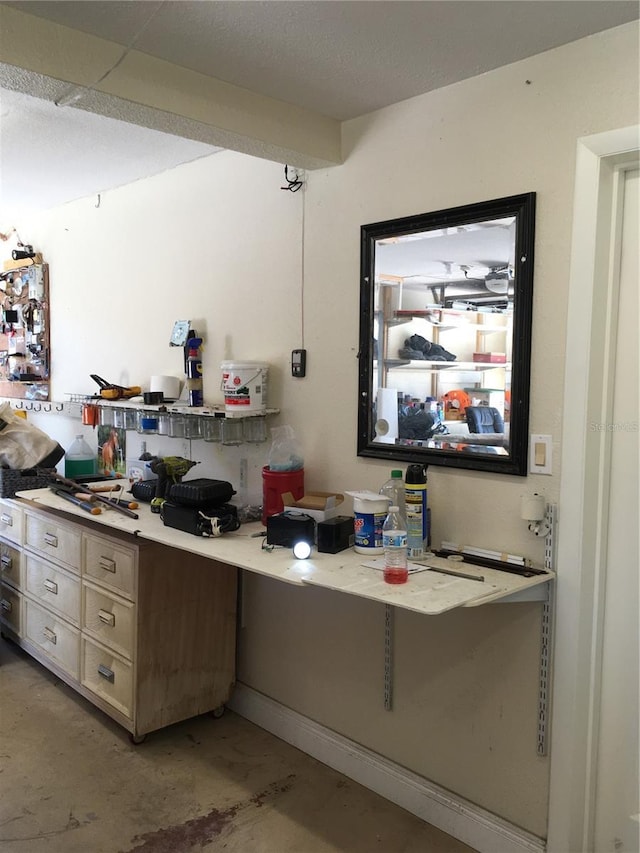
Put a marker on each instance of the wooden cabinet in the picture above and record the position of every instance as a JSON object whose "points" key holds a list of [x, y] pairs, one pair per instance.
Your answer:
{"points": [[140, 629]]}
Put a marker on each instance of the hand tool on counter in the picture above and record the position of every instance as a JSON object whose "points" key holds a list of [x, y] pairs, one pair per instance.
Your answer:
{"points": [[88, 507], [90, 497], [111, 391], [488, 563], [73, 487]]}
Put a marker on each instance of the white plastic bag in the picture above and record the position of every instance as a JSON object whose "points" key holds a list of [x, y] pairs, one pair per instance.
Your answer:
{"points": [[285, 453], [21, 444]]}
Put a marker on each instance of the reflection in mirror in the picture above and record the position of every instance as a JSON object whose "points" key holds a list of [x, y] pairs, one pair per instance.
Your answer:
{"points": [[445, 331]]}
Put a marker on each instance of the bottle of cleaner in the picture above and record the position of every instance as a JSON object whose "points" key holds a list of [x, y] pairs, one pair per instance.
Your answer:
{"points": [[80, 460], [194, 372], [394, 490], [415, 482]]}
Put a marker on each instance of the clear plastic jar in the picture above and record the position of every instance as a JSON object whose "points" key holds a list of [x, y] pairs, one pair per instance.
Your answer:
{"points": [[212, 429], [254, 429], [147, 423], [192, 427], [232, 432], [176, 426], [164, 419], [105, 417]]}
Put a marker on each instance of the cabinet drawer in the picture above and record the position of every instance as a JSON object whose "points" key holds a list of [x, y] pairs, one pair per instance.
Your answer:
{"points": [[55, 637], [52, 539], [109, 619], [108, 676], [109, 564], [11, 609], [11, 522], [54, 588], [11, 565]]}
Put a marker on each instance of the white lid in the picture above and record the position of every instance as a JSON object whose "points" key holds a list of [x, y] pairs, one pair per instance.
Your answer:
{"points": [[394, 509]]}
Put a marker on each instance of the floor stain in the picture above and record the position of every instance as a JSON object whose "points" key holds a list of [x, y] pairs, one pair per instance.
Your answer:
{"points": [[202, 830]]}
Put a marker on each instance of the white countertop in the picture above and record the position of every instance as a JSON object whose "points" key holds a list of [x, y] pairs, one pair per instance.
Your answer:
{"points": [[425, 592]]}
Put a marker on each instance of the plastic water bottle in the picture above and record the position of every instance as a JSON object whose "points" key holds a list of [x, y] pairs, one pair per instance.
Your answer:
{"points": [[394, 543], [394, 490], [416, 508]]}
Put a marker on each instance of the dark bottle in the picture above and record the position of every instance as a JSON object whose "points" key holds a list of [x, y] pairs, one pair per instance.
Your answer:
{"points": [[415, 482]]}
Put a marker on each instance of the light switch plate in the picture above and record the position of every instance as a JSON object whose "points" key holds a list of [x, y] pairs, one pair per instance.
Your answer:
{"points": [[540, 454]]}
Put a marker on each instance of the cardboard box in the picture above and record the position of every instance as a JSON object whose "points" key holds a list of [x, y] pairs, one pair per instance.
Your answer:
{"points": [[319, 505]]}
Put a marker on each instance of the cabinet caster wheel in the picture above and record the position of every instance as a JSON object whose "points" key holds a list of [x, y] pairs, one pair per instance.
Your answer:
{"points": [[137, 738], [217, 712]]}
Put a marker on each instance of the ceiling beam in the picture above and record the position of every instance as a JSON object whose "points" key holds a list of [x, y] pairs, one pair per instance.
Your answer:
{"points": [[47, 60]]}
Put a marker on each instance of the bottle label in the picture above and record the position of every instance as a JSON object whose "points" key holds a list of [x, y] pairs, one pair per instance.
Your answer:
{"points": [[368, 529], [394, 539]]}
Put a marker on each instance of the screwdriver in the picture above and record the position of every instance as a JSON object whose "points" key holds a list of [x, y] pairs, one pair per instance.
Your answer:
{"points": [[88, 507]]}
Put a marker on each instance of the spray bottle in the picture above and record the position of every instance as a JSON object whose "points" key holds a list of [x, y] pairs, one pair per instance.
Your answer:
{"points": [[194, 372], [415, 482]]}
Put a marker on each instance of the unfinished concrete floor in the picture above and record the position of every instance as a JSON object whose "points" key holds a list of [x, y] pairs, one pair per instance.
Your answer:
{"points": [[71, 782]]}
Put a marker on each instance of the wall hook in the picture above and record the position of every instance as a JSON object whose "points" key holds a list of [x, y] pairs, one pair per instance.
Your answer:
{"points": [[98, 204], [29, 407], [37, 407], [60, 407], [19, 406], [47, 408]]}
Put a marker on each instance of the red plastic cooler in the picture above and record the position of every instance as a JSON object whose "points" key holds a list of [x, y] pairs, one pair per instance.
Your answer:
{"points": [[277, 483]]}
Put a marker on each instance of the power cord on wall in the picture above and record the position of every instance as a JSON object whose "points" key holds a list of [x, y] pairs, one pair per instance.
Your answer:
{"points": [[293, 179]]}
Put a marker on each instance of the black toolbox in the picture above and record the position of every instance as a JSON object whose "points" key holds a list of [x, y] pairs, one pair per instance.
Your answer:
{"points": [[201, 492]]}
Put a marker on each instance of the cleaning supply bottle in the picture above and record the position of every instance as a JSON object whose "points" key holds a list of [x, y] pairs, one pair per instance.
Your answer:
{"points": [[394, 543], [80, 460], [194, 372], [394, 490], [415, 482]]}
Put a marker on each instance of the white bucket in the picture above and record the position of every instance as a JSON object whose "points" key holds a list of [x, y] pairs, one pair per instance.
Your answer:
{"points": [[369, 510], [244, 384]]}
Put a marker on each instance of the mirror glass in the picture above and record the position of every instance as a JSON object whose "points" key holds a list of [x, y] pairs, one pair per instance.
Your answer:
{"points": [[445, 336]]}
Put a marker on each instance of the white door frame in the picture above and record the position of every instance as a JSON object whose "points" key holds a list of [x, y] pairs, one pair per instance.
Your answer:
{"points": [[589, 368]]}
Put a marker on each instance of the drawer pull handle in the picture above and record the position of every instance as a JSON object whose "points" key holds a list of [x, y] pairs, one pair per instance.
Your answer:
{"points": [[106, 617], [6, 605], [50, 635], [6, 561], [50, 539], [106, 673], [51, 586], [107, 564], [6, 519]]}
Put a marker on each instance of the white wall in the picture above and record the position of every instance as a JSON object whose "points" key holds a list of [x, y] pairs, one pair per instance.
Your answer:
{"points": [[217, 241]]}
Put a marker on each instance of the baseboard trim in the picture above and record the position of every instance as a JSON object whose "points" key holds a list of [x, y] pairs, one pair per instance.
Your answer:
{"points": [[483, 831]]}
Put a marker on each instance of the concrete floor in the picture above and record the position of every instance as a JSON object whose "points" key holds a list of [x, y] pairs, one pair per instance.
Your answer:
{"points": [[71, 782]]}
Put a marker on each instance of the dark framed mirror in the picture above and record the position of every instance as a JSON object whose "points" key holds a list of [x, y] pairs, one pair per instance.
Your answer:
{"points": [[445, 336]]}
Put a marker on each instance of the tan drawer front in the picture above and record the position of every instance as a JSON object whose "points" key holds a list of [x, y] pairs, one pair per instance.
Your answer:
{"points": [[109, 620], [55, 637], [11, 609], [11, 523], [10, 565], [54, 588], [108, 677], [54, 540], [109, 564]]}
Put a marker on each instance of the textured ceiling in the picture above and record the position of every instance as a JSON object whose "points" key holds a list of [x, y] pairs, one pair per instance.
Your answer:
{"points": [[341, 59], [338, 59]]}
